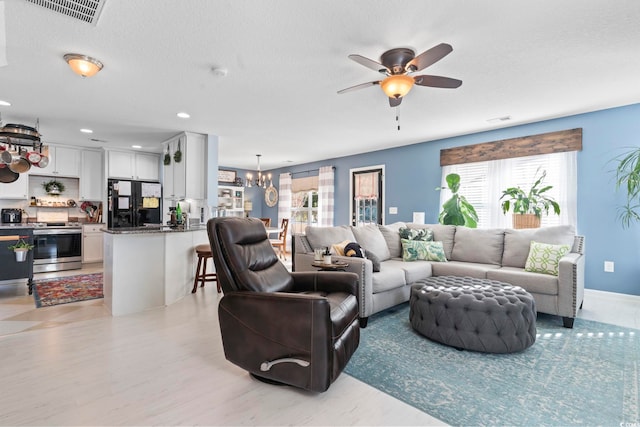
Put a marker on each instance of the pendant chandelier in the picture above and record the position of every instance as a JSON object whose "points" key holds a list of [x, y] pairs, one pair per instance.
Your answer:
{"points": [[261, 180]]}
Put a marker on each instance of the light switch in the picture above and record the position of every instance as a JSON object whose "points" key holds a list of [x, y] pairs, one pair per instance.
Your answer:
{"points": [[608, 266], [393, 211]]}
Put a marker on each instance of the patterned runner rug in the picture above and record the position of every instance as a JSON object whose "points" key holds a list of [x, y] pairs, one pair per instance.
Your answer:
{"points": [[588, 375], [63, 290]]}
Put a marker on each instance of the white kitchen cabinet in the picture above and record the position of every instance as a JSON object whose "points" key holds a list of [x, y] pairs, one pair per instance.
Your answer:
{"points": [[63, 161], [18, 189], [130, 165], [92, 243], [185, 179], [91, 178]]}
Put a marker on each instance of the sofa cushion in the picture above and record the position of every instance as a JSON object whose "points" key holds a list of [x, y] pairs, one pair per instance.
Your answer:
{"points": [[371, 239], [535, 283], [389, 277], [413, 271], [459, 268], [326, 237], [518, 242], [544, 258], [442, 233], [391, 235], [413, 250], [483, 246]]}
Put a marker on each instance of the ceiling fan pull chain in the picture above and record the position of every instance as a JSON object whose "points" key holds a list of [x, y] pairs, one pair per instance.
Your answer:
{"points": [[398, 116]]}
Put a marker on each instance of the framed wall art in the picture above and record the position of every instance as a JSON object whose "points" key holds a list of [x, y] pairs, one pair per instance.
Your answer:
{"points": [[226, 176]]}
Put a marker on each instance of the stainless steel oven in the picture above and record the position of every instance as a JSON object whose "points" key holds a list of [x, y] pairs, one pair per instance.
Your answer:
{"points": [[57, 248]]}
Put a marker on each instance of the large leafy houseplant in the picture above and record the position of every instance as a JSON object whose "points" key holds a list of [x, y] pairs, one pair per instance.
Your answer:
{"points": [[628, 176], [457, 210], [533, 201]]}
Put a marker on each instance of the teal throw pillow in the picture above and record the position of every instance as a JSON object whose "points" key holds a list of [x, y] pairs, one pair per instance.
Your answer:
{"points": [[413, 250], [423, 234], [545, 258]]}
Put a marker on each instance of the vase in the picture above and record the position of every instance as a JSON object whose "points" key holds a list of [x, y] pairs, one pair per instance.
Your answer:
{"points": [[21, 254], [526, 221]]}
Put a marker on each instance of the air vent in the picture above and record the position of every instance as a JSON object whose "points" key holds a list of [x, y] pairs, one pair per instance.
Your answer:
{"points": [[84, 10]]}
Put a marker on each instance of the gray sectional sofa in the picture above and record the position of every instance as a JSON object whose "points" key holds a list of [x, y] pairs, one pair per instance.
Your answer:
{"points": [[497, 254]]}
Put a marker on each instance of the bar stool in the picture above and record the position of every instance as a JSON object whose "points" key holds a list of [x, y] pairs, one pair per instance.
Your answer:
{"points": [[204, 253]]}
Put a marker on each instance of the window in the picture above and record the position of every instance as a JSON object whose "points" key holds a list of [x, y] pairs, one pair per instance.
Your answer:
{"points": [[304, 210], [482, 184]]}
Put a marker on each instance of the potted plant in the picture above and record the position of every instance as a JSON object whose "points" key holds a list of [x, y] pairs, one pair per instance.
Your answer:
{"points": [[628, 176], [529, 205], [20, 249], [53, 187], [457, 210]]}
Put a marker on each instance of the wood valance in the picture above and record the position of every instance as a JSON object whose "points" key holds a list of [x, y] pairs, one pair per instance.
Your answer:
{"points": [[544, 143]]}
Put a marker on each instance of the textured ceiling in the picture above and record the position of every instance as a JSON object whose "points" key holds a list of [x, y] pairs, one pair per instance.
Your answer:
{"points": [[286, 59]]}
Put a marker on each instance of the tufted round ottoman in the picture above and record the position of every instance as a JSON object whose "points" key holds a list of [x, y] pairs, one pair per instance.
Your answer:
{"points": [[473, 314]]}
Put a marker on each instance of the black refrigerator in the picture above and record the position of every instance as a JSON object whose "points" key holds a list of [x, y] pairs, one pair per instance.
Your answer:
{"points": [[134, 203]]}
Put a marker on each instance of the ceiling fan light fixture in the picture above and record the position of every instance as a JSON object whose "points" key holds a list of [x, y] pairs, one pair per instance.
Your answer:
{"points": [[83, 65], [397, 86]]}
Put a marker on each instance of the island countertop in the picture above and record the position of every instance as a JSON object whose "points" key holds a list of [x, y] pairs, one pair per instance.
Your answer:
{"points": [[154, 229]]}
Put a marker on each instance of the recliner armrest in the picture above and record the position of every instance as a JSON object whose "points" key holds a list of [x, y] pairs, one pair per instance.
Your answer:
{"points": [[327, 281]]}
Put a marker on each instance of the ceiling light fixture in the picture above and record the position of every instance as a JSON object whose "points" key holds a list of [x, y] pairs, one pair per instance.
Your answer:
{"points": [[397, 86], [86, 131], [5, 103], [183, 115], [261, 180], [83, 65]]}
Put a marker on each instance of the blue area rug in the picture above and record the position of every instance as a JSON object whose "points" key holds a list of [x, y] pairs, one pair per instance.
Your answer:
{"points": [[586, 376]]}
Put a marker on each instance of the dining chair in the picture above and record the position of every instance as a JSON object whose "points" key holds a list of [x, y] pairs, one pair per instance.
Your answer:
{"points": [[266, 221], [281, 242]]}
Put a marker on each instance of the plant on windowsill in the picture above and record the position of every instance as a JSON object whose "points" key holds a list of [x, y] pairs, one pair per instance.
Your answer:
{"points": [[628, 176], [457, 210], [53, 187], [20, 249], [529, 205]]}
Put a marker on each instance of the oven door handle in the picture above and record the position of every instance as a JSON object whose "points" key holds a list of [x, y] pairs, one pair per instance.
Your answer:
{"points": [[57, 231]]}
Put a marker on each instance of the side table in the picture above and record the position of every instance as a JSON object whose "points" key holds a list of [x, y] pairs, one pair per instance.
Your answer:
{"points": [[334, 266]]}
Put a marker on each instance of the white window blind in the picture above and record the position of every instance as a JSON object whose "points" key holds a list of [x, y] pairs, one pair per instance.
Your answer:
{"points": [[482, 184]]}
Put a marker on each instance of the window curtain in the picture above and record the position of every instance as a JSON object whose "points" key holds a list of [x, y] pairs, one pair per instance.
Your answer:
{"points": [[325, 196], [366, 185], [482, 184], [284, 198]]}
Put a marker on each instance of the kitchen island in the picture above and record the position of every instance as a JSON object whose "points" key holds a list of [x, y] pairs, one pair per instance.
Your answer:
{"points": [[149, 267]]}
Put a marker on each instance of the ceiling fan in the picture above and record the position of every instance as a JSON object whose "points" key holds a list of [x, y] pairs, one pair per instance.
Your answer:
{"points": [[397, 64]]}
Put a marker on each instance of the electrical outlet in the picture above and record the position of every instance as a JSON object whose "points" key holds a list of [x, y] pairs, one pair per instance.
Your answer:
{"points": [[608, 266], [393, 211]]}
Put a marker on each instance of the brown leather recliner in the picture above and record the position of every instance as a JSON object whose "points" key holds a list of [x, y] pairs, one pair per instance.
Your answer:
{"points": [[299, 329]]}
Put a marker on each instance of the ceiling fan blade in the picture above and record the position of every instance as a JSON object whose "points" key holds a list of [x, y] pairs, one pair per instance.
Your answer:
{"points": [[394, 102], [428, 57], [369, 63], [360, 86], [437, 81]]}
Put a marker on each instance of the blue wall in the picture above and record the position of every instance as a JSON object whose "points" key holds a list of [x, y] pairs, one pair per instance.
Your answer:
{"points": [[413, 172]]}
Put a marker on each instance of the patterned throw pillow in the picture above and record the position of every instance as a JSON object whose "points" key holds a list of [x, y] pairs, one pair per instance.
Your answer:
{"points": [[338, 248], [544, 258], [413, 250], [423, 234]]}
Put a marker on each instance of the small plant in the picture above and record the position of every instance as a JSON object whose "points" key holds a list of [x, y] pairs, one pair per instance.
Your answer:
{"points": [[457, 210], [21, 244], [53, 187], [534, 201], [627, 175]]}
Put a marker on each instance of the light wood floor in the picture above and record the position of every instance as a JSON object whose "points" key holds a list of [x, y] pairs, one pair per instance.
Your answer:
{"points": [[74, 364]]}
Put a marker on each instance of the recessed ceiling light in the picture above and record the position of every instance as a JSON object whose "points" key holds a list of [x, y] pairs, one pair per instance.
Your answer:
{"points": [[86, 131], [136, 146], [499, 119], [4, 103], [183, 115]]}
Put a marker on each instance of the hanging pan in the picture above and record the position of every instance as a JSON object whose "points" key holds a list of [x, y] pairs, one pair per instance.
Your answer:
{"points": [[7, 175]]}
